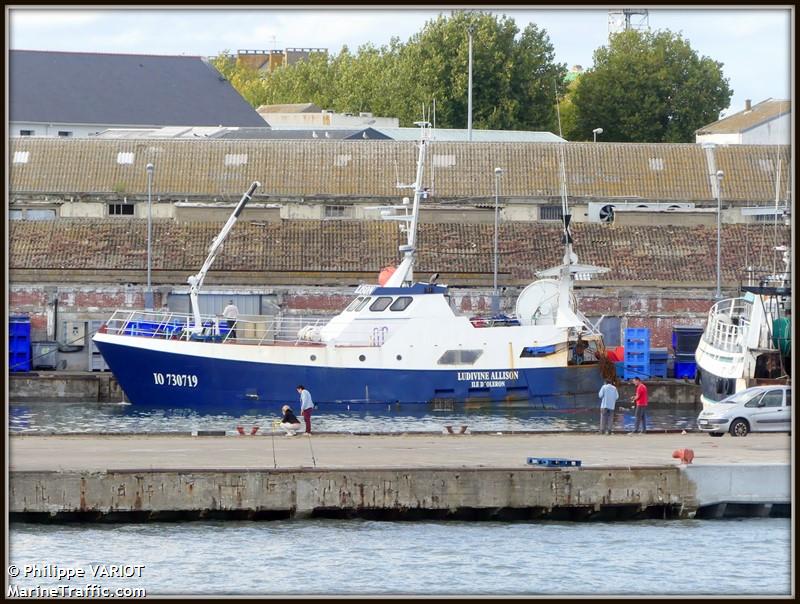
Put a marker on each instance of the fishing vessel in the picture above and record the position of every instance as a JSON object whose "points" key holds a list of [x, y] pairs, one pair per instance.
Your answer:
{"points": [[397, 341], [747, 340]]}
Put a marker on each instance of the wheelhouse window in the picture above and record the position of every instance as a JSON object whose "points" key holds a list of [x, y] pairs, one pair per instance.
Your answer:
{"points": [[459, 357], [26, 132], [364, 302], [354, 303], [401, 303], [381, 303]]}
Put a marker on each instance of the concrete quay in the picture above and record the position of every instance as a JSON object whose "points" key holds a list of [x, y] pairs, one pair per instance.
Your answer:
{"points": [[162, 477]]}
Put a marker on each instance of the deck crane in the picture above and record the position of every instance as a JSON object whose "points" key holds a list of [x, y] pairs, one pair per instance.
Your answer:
{"points": [[196, 281]]}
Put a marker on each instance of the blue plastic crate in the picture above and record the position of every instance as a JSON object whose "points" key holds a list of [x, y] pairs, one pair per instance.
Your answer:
{"points": [[686, 338], [658, 368], [19, 343], [632, 371], [553, 462], [637, 352], [19, 361], [658, 354], [685, 369]]}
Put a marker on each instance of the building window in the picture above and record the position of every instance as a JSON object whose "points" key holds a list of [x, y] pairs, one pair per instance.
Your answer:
{"points": [[550, 213], [125, 158], [120, 209], [336, 212], [765, 165], [31, 214], [26, 132], [21, 157], [64, 133], [656, 163], [342, 160]]}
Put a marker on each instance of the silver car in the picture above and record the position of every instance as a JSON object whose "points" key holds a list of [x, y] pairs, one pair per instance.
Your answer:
{"points": [[758, 409]]}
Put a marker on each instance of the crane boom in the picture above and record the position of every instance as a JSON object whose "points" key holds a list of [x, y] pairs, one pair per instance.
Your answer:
{"points": [[196, 281]]}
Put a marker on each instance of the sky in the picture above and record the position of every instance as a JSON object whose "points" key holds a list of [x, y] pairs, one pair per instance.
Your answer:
{"points": [[754, 44]]}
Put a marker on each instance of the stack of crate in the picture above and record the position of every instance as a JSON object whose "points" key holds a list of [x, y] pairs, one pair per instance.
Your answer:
{"points": [[19, 343], [684, 341], [637, 353], [658, 362]]}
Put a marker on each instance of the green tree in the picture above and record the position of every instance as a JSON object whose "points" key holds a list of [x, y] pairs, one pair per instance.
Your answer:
{"points": [[514, 76], [648, 87]]}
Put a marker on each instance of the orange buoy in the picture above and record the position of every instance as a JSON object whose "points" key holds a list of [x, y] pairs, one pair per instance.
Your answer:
{"points": [[385, 273], [685, 455]]}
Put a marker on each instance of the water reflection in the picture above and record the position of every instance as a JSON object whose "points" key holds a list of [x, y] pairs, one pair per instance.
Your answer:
{"points": [[59, 417]]}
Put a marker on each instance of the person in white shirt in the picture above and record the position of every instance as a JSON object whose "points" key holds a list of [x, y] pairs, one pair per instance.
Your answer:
{"points": [[231, 313], [306, 405], [608, 398]]}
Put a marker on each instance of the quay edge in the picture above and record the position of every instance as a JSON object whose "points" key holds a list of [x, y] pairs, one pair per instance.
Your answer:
{"points": [[579, 493]]}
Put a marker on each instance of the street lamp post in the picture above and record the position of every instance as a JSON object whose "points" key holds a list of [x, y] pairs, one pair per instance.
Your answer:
{"points": [[498, 172], [595, 132], [470, 29], [720, 174], [148, 295]]}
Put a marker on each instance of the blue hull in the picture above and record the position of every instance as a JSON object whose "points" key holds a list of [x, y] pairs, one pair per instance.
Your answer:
{"points": [[160, 379]]}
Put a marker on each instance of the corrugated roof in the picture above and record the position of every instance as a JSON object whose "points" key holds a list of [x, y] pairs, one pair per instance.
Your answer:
{"points": [[290, 108], [129, 90], [746, 120], [370, 168], [633, 253], [480, 136]]}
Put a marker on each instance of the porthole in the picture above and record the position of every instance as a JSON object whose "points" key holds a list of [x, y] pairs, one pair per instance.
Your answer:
{"points": [[361, 357], [313, 357], [399, 357]]}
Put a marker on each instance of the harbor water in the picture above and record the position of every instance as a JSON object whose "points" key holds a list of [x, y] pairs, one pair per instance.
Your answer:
{"points": [[60, 417], [444, 558]]}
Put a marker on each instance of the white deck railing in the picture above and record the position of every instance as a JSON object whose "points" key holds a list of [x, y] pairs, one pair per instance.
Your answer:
{"points": [[256, 330], [728, 324]]}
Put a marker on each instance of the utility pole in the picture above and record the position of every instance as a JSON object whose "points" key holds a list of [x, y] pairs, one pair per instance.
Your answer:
{"points": [[148, 295], [470, 29]]}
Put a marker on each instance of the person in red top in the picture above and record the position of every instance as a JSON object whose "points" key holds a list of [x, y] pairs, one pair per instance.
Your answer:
{"points": [[640, 398]]}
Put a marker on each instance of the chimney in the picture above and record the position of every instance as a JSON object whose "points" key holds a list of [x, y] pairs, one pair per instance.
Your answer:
{"points": [[747, 105]]}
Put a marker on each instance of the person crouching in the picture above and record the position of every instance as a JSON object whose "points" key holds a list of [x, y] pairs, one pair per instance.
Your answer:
{"points": [[289, 421]]}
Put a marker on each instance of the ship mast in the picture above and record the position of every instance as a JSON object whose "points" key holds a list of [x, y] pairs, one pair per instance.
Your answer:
{"points": [[404, 275]]}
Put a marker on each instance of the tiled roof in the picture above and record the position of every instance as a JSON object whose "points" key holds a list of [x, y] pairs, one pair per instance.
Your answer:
{"points": [[634, 253], [367, 168], [745, 120], [129, 90]]}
